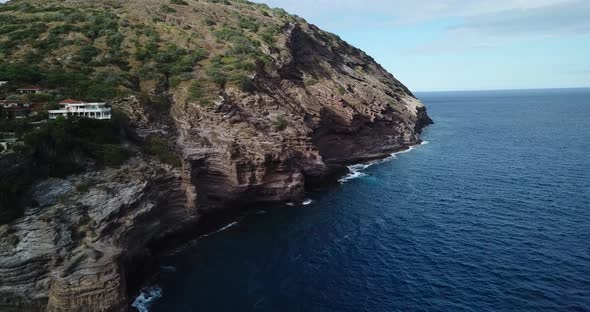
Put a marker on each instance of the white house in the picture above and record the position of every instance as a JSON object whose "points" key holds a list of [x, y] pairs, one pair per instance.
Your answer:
{"points": [[71, 107], [3, 83]]}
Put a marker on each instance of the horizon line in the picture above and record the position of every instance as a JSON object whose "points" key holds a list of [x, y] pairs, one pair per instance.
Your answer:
{"points": [[511, 89]]}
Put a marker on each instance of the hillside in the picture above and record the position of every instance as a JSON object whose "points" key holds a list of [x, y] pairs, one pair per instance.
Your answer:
{"points": [[220, 105]]}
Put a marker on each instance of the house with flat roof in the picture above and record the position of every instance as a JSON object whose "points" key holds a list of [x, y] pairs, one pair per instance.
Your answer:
{"points": [[30, 90], [70, 107], [2, 82]]}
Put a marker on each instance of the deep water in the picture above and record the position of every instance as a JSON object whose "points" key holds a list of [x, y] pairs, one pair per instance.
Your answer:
{"points": [[492, 215]]}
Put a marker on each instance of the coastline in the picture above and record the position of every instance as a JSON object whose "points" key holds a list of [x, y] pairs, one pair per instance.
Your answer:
{"points": [[144, 296]]}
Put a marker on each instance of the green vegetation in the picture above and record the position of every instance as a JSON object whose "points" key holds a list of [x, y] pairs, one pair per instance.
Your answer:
{"points": [[87, 54], [249, 23], [58, 146], [100, 51], [310, 82], [15, 183], [157, 146], [166, 9], [158, 104], [96, 53], [280, 124], [57, 149], [195, 92], [269, 35], [244, 83], [82, 188]]}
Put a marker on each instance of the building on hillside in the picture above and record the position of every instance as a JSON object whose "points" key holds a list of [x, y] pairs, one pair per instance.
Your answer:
{"points": [[7, 140], [30, 90], [2, 83], [15, 109], [71, 107], [12, 103]]}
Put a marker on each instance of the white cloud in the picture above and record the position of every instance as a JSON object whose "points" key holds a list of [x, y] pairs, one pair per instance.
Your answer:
{"points": [[478, 23], [404, 11], [558, 19]]}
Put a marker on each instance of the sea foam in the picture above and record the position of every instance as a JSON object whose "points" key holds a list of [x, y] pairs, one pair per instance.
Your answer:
{"points": [[307, 202], [221, 229], [146, 298], [356, 171]]}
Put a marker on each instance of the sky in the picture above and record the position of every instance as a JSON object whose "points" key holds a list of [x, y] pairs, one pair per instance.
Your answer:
{"points": [[436, 45]]}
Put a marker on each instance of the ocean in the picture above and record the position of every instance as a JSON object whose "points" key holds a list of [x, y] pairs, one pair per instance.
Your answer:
{"points": [[491, 214]]}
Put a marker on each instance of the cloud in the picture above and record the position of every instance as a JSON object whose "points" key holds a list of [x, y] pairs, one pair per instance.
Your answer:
{"points": [[403, 11], [558, 19], [476, 24]]}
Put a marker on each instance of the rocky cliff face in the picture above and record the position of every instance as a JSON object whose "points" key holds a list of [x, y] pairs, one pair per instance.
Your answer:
{"points": [[71, 252], [314, 105], [335, 105]]}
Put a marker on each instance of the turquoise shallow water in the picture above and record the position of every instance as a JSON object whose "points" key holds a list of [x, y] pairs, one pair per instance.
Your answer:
{"points": [[492, 215]]}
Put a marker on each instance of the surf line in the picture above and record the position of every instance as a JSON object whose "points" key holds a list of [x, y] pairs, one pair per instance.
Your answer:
{"points": [[356, 171]]}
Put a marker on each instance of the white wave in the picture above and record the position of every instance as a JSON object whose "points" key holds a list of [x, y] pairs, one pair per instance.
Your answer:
{"points": [[307, 202], [351, 176], [409, 149], [226, 227], [355, 171], [221, 229], [291, 204], [146, 298]]}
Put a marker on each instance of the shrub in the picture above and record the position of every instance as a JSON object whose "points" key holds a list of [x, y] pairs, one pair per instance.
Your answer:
{"points": [[87, 54], [244, 83], [109, 154], [159, 104], [194, 91], [310, 82], [156, 146], [217, 76], [227, 34], [280, 124], [249, 23], [269, 35], [20, 73], [82, 188], [166, 9], [243, 46], [179, 2], [209, 21]]}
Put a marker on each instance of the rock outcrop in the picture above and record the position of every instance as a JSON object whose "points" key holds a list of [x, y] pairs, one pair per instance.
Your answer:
{"points": [[70, 252], [321, 104], [335, 105]]}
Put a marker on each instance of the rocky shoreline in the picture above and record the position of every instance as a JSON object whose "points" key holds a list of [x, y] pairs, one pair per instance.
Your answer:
{"points": [[87, 241], [96, 248], [184, 241]]}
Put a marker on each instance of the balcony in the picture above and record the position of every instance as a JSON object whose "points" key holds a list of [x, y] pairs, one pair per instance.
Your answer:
{"points": [[89, 112]]}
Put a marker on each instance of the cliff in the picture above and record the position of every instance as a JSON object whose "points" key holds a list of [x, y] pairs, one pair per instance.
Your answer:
{"points": [[256, 105]]}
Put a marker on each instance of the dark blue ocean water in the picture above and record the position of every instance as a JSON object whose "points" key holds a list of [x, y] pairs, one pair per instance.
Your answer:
{"points": [[492, 215]]}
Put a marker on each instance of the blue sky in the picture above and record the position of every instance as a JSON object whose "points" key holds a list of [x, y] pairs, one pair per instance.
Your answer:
{"points": [[464, 44]]}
